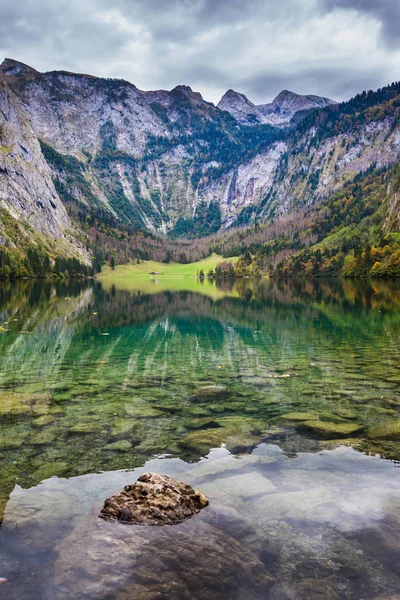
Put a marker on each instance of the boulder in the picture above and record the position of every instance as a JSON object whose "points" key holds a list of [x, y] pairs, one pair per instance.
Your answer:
{"points": [[154, 500]]}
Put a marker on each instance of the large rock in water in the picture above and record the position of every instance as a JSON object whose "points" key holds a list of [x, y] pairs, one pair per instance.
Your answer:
{"points": [[154, 500]]}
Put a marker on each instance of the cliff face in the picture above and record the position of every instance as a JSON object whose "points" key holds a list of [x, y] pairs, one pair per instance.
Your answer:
{"points": [[26, 188], [152, 159], [392, 220]]}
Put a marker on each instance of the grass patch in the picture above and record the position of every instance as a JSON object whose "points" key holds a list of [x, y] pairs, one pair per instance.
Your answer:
{"points": [[146, 267], [171, 276]]}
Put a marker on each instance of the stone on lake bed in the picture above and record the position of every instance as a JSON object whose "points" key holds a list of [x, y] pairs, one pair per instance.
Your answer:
{"points": [[330, 430], [211, 391], [10, 442], [42, 438], [203, 423], [123, 427], [85, 428], [298, 416], [154, 500], [50, 470], [238, 433], [43, 420], [142, 411], [121, 446], [386, 431]]}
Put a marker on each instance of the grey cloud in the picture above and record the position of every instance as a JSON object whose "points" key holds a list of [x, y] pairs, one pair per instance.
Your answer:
{"points": [[55, 31], [257, 47], [387, 12], [331, 82]]}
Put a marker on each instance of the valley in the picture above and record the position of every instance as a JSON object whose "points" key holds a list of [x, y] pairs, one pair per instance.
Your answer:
{"points": [[109, 174]]}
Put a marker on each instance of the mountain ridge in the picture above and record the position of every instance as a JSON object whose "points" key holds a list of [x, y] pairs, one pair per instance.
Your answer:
{"points": [[171, 163], [279, 112]]}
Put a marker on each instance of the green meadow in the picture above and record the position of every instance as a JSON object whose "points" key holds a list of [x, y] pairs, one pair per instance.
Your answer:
{"points": [[171, 276]]}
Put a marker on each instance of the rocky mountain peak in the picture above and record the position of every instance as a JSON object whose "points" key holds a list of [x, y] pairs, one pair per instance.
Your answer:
{"points": [[279, 112], [286, 104], [240, 107], [10, 67], [187, 91]]}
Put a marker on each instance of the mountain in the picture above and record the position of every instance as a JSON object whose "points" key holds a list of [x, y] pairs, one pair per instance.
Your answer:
{"points": [[279, 112], [170, 163]]}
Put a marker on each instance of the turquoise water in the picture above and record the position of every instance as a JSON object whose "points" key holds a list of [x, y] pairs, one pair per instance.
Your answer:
{"points": [[280, 400]]}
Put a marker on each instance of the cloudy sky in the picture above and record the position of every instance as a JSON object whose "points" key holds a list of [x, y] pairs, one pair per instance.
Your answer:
{"points": [[328, 47]]}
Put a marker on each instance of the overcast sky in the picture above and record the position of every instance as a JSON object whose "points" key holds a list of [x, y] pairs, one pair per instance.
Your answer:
{"points": [[333, 48]]}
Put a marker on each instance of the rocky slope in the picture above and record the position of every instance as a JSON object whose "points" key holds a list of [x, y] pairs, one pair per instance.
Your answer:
{"points": [[160, 160]]}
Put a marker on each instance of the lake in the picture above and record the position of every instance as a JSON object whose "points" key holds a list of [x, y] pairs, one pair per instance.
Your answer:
{"points": [[279, 400]]}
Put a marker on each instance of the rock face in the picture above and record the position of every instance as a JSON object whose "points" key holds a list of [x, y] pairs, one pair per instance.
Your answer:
{"points": [[154, 500], [26, 186]]}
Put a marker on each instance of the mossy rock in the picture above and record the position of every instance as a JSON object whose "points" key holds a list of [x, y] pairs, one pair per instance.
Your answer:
{"points": [[217, 408], [203, 440], [50, 470], [15, 404], [197, 411], [298, 416], [121, 446], [330, 430], [43, 420], [384, 411], [237, 433], [331, 417], [142, 411], [385, 431], [112, 408], [123, 427], [211, 391], [11, 442], [237, 406], [41, 439], [172, 409], [84, 428], [64, 397], [351, 442], [203, 423], [347, 413]]}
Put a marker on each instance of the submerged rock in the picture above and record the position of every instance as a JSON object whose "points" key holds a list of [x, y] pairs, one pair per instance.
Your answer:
{"points": [[120, 446], [386, 431], [298, 416], [154, 500], [204, 423], [211, 391], [326, 429]]}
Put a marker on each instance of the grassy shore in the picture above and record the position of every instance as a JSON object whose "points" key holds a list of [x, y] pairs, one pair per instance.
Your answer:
{"points": [[171, 276]]}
